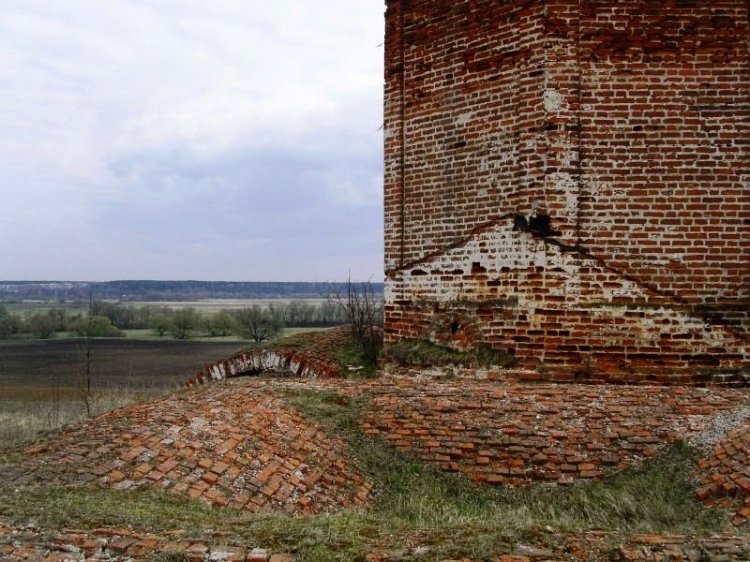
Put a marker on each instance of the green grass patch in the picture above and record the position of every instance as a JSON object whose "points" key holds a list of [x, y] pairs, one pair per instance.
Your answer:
{"points": [[150, 335], [342, 537], [354, 362], [424, 353]]}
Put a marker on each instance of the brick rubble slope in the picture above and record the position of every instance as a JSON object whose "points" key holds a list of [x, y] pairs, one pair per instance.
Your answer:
{"points": [[515, 434], [724, 475], [236, 445]]}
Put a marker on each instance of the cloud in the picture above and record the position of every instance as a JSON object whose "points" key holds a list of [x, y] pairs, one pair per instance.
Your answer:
{"points": [[221, 140]]}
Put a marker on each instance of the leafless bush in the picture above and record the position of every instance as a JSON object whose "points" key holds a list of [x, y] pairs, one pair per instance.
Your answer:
{"points": [[84, 373], [363, 314]]}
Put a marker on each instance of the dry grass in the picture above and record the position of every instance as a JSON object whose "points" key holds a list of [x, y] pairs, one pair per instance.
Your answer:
{"points": [[26, 411], [39, 391]]}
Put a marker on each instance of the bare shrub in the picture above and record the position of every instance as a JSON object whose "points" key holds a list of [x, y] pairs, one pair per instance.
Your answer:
{"points": [[363, 314]]}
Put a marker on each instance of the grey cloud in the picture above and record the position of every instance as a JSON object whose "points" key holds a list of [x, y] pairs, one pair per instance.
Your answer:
{"points": [[170, 138]]}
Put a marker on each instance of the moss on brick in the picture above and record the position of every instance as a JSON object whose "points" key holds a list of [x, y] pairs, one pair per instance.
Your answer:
{"points": [[424, 353]]}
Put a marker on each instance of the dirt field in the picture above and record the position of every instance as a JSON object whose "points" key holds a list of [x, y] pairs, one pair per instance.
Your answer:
{"points": [[40, 389], [114, 361]]}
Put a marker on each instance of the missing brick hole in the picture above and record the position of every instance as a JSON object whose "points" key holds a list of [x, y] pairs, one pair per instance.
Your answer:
{"points": [[455, 325], [476, 267], [539, 225]]}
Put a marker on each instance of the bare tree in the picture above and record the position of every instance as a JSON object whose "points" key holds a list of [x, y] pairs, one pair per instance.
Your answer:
{"points": [[219, 324], [363, 314], [328, 313], [258, 324], [84, 375]]}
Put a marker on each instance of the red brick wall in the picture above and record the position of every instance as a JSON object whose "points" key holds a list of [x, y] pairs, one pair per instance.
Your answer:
{"points": [[665, 143], [628, 124], [463, 94]]}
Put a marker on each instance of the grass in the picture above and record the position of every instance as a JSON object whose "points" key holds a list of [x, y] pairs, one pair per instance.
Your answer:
{"points": [[354, 362], [424, 353], [203, 305], [27, 411], [416, 505], [150, 335]]}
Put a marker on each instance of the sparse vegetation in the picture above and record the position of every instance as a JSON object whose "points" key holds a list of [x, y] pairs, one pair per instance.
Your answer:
{"points": [[355, 363], [243, 320], [258, 324], [25, 411], [423, 353], [416, 505], [42, 381], [362, 313], [659, 497]]}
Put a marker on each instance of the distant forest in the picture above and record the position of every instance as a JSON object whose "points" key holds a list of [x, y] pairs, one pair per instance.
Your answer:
{"points": [[167, 290]]}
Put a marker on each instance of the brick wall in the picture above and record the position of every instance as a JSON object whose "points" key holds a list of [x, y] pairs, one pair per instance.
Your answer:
{"points": [[571, 181]]}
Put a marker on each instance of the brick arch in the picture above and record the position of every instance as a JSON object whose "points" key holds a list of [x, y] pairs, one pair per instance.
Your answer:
{"points": [[300, 364]]}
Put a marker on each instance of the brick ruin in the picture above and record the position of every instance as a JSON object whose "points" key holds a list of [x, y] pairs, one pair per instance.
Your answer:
{"points": [[570, 181]]}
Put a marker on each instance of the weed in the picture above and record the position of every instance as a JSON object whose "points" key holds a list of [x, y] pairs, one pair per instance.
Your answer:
{"points": [[354, 362], [424, 353]]}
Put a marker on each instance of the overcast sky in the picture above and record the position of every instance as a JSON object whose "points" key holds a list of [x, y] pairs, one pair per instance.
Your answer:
{"points": [[191, 139]]}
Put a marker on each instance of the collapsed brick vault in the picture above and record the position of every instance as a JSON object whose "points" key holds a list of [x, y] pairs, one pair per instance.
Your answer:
{"points": [[570, 180]]}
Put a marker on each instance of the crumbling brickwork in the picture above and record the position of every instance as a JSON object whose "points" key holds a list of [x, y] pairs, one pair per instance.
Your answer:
{"points": [[570, 181]]}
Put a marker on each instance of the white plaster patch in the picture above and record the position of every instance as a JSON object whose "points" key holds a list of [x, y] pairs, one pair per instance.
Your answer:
{"points": [[389, 292], [464, 118], [562, 182], [554, 101]]}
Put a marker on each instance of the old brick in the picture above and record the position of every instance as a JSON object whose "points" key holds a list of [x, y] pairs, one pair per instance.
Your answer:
{"points": [[589, 212]]}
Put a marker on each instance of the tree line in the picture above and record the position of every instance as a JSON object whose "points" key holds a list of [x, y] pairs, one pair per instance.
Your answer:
{"points": [[109, 319], [147, 290]]}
